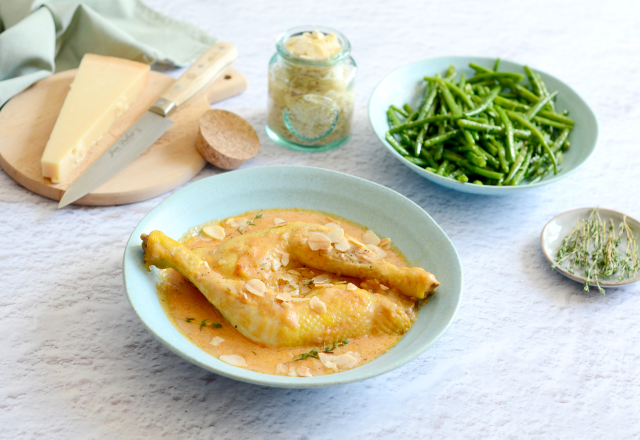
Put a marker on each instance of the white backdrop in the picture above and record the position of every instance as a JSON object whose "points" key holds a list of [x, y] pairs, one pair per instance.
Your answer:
{"points": [[529, 354]]}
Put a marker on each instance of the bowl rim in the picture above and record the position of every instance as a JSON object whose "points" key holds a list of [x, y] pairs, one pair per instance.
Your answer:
{"points": [[241, 374], [478, 189], [575, 277]]}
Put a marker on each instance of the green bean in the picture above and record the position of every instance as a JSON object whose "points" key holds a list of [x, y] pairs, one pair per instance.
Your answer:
{"points": [[455, 174], [501, 155], [486, 141], [420, 122], [496, 76], [516, 166], [536, 133], [394, 143], [429, 99], [462, 178], [449, 101], [560, 140], [463, 81], [407, 108], [525, 93], [480, 120], [480, 69], [468, 138], [496, 65], [437, 154], [534, 81], [440, 138], [488, 157], [538, 106], [476, 159], [485, 102], [477, 182], [423, 131], [544, 90], [399, 111], [551, 123], [417, 161], [471, 125], [392, 119], [431, 169], [509, 133], [443, 166], [424, 153], [556, 117], [509, 104], [449, 155], [455, 89], [451, 73], [520, 174]]}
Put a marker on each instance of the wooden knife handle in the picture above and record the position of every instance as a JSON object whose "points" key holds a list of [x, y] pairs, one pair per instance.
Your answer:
{"points": [[206, 69]]}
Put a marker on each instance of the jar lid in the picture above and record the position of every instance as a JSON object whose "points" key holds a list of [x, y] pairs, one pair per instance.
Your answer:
{"points": [[299, 30]]}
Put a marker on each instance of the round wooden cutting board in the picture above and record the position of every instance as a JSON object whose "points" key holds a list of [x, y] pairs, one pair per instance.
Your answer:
{"points": [[27, 120]]}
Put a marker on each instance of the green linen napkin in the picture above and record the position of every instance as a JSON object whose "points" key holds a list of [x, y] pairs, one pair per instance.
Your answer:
{"points": [[40, 37]]}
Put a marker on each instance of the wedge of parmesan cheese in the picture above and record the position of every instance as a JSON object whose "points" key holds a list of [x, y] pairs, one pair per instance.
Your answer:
{"points": [[103, 89]]}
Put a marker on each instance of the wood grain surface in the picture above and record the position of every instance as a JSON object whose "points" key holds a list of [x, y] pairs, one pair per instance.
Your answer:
{"points": [[27, 120]]}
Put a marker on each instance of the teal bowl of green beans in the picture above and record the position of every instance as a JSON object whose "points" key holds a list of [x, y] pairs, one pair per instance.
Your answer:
{"points": [[481, 125]]}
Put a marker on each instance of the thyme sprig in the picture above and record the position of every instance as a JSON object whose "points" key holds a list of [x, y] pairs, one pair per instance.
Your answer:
{"points": [[593, 245], [204, 323], [327, 349], [330, 348]]}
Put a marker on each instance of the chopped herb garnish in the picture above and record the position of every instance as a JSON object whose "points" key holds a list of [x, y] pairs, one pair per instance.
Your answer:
{"points": [[306, 283], [311, 354], [250, 223], [259, 216], [240, 230], [335, 345], [204, 323]]}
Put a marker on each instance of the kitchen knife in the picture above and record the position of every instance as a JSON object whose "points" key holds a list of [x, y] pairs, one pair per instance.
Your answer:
{"points": [[151, 125]]}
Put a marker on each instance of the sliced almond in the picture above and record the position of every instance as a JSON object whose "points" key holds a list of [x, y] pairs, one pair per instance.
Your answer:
{"points": [[383, 287], [351, 286], [342, 245], [344, 361], [336, 235], [276, 264], [322, 279], [278, 221], [318, 306], [281, 369], [284, 296], [285, 277], [376, 250], [300, 299], [325, 359], [234, 359], [319, 242], [370, 237], [216, 341], [286, 305], [304, 289], [304, 372], [214, 231], [256, 287], [294, 272], [237, 222], [285, 259], [332, 226], [385, 243]]}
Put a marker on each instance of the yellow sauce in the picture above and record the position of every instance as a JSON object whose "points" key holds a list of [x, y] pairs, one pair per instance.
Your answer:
{"points": [[181, 301]]}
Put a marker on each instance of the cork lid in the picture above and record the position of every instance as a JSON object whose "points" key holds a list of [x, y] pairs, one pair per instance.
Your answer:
{"points": [[226, 140]]}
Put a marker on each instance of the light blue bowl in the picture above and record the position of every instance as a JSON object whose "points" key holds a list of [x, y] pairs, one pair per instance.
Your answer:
{"points": [[386, 212], [405, 85]]}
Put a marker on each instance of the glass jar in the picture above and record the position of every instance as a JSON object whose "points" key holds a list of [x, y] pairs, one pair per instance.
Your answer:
{"points": [[310, 100]]}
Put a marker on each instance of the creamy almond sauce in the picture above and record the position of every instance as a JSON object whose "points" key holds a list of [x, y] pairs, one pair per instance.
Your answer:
{"points": [[181, 300]]}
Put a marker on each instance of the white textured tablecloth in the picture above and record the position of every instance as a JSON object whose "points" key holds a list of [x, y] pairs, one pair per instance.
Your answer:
{"points": [[529, 355]]}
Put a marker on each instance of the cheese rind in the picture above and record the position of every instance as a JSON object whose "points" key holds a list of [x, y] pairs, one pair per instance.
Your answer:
{"points": [[103, 89]]}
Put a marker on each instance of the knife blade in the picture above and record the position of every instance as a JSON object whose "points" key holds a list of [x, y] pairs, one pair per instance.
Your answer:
{"points": [[152, 124]]}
